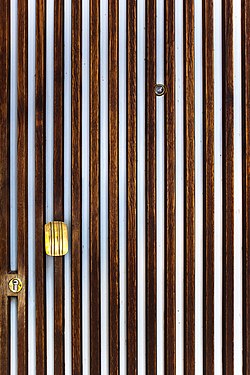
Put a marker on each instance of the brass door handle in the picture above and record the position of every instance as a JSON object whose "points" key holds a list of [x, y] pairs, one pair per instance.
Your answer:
{"points": [[56, 238]]}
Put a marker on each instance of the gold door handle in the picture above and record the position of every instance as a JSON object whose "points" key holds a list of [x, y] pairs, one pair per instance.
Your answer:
{"points": [[56, 238]]}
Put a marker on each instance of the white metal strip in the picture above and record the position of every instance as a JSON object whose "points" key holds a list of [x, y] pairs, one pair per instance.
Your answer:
{"points": [[122, 183], [31, 189], [218, 189], [85, 189], [49, 180], [67, 182], [104, 189], [141, 284], [198, 191], [238, 360], [179, 189], [160, 141]]}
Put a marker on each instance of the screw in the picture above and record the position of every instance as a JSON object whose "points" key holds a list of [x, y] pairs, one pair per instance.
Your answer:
{"points": [[160, 89]]}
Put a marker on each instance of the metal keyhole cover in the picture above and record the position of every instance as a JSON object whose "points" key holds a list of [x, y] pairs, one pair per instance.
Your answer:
{"points": [[15, 285]]}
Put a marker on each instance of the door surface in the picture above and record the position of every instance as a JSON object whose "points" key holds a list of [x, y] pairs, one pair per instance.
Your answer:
{"points": [[128, 121]]}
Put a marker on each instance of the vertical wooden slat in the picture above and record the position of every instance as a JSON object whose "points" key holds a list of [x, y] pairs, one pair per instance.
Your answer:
{"points": [[170, 223], [76, 248], [246, 181], [4, 178], [131, 188], [208, 178], [40, 187], [113, 210], [228, 185], [22, 184], [94, 188], [189, 191], [150, 178], [58, 181]]}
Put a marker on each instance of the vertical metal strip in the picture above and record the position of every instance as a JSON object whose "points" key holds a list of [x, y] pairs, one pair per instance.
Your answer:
{"points": [[228, 185], [94, 188], [170, 197], [131, 187], [76, 262], [58, 181], [189, 190], [150, 180], [4, 180], [208, 178], [40, 203], [246, 181], [113, 210], [22, 184]]}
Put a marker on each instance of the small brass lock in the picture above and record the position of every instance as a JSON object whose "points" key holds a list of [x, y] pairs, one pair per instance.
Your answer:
{"points": [[56, 238], [15, 285]]}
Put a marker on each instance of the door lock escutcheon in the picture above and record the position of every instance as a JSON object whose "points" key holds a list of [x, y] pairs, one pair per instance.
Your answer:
{"points": [[56, 238], [15, 285]]}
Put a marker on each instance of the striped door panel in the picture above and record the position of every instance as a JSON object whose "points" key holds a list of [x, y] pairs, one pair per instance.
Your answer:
{"points": [[129, 121]]}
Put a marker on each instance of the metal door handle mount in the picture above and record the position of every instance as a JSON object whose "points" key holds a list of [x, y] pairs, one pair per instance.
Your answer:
{"points": [[56, 238]]}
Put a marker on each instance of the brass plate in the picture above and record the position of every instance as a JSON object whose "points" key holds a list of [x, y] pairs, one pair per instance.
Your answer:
{"points": [[15, 285], [56, 238]]}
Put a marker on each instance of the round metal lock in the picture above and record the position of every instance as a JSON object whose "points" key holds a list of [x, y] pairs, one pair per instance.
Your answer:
{"points": [[15, 285], [160, 89]]}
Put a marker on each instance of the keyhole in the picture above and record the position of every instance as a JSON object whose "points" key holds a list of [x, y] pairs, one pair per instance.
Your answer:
{"points": [[15, 285]]}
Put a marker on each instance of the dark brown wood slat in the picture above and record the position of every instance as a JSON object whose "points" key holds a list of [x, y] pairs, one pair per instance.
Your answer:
{"points": [[76, 248], [189, 190], [94, 188], [58, 182], [246, 181], [170, 222], [22, 184], [4, 179], [132, 362], [113, 210], [228, 186], [40, 187], [208, 178], [150, 179]]}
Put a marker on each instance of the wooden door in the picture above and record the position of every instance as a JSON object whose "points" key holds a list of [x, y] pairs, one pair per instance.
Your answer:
{"points": [[100, 129]]}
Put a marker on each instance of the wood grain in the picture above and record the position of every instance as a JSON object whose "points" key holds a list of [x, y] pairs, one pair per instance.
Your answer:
{"points": [[208, 183], [150, 179], [76, 248], [40, 139], [189, 190], [132, 361], [228, 186], [94, 189], [170, 221], [22, 184], [58, 182], [113, 194], [4, 179], [246, 181]]}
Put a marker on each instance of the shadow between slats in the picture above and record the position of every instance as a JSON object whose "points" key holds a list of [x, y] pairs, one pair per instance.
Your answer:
{"points": [[189, 190], [76, 186], [58, 182], [131, 187], [246, 181], [170, 196], [113, 197], [150, 181], [22, 184], [228, 187], [94, 188], [40, 101], [4, 180], [208, 183]]}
